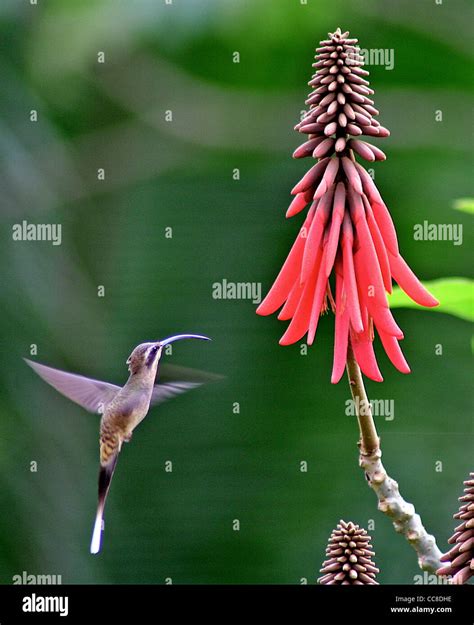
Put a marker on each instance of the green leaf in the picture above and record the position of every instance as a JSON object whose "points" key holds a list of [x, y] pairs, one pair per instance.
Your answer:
{"points": [[465, 204], [455, 295]]}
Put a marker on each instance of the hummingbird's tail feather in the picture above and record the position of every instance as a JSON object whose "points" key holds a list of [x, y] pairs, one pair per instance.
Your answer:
{"points": [[105, 477], [97, 533]]}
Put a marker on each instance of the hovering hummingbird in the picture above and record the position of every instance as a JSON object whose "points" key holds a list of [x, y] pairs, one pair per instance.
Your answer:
{"points": [[122, 409]]}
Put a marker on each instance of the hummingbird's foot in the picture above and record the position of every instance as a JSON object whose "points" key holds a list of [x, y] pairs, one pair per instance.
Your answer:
{"points": [[128, 438]]}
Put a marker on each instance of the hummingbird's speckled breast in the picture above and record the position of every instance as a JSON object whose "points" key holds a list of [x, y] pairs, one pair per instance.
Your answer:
{"points": [[120, 418]]}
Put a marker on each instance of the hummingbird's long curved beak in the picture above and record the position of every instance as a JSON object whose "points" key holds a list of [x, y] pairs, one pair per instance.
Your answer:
{"points": [[178, 337]]}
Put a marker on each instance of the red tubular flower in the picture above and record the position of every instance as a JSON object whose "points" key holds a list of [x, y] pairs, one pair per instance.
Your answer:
{"points": [[348, 230]]}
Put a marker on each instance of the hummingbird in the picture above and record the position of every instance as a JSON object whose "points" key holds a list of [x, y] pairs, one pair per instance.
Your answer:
{"points": [[122, 408]]}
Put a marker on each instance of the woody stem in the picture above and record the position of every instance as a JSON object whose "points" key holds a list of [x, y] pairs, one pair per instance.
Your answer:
{"points": [[369, 439], [403, 514]]}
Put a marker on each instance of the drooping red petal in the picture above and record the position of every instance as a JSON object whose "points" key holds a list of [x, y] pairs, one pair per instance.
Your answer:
{"points": [[356, 206], [300, 322], [319, 292], [315, 234], [368, 184], [285, 280], [367, 251], [393, 351], [352, 175], [385, 224], [341, 328], [362, 342], [291, 303], [380, 249], [365, 356], [380, 313], [410, 283], [350, 285], [381, 212], [368, 272], [300, 201], [328, 177], [336, 221], [311, 177]]}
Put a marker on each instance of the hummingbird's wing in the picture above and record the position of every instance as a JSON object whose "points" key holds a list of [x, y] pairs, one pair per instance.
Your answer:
{"points": [[171, 373], [163, 392], [93, 395], [175, 380]]}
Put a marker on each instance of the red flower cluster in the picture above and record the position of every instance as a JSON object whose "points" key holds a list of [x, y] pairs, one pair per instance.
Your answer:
{"points": [[348, 228]]}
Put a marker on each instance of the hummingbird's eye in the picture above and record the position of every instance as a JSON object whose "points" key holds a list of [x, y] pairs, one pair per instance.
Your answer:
{"points": [[150, 358]]}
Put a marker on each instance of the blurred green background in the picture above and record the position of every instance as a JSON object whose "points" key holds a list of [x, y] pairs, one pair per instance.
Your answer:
{"points": [[179, 175]]}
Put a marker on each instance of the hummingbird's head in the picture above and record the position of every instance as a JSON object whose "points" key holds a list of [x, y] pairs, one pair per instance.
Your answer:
{"points": [[143, 356], [147, 355]]}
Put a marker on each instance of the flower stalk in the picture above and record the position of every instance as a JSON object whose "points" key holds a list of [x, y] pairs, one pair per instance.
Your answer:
{"points": [[404, 517], [369, 441]]}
